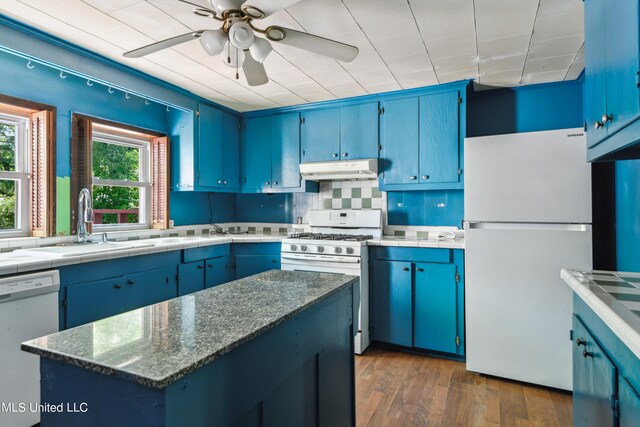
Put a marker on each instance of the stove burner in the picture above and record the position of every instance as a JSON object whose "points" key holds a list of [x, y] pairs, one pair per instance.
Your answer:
{"points": [[322, 236]]}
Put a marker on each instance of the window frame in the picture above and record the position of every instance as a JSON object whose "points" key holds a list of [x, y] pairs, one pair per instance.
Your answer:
{"points": [[21, 176], [116, 136]]}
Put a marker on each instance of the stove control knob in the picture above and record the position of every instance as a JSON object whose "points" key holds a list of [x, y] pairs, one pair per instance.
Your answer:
{"points": [[293, 247], [303, 248], [349, 251], [320, 248], [337, 250]]}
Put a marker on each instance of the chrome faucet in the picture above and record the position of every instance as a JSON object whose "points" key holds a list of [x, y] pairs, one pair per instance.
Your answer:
{"points": [[85, 215]]}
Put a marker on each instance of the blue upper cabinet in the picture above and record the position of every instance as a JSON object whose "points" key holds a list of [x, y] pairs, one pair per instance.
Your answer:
{"points": [[209, 146], [612, 98], [399, 137], [181, 136], [320, 137], [359, 131], [439, 138], [231, 153], [421, 139], [257, 153], [285, 154]]}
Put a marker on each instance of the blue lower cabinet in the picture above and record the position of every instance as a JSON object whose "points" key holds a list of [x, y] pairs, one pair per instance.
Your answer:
{"points": [[594, 381], [248, 265], [435, 314], [191, 277], [218, 271], [90, 301], [629, 404], [391, 313]]}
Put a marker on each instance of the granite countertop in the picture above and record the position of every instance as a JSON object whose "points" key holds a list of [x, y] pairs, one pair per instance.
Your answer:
{"points": [[159, 344], [416, 242], [19, 261], [614, 297]]}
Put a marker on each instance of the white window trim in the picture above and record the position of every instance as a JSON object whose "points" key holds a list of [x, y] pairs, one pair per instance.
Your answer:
{"points": [[21, 175], [144, 185]]}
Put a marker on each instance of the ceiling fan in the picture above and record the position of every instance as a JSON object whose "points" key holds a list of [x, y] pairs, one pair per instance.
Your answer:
{"points": [[236, 39]]}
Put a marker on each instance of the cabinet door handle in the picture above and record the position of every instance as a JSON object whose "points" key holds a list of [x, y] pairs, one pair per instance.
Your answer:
{"points": [[597, 125], [274, 261], [275, 182], [425, 176], [405, 269], [219, 181], [210, 265], [334, 155], [413, 178], [580, 342], [266, 183], [200, 266], [345, 154], [420, 269], [606, 118], [586, 353], [131, 282], [117, 286]]}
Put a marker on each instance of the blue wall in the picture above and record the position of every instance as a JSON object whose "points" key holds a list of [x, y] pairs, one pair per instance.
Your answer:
{"points": [[628, 215]]}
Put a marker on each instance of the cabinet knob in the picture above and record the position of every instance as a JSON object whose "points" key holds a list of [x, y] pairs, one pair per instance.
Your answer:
{"points": [[597, 125], [266, 183], [405, 268], [219, 181], [580, 342], [420, 269], [117, 286], [345, 154], [425, 176], [586, 353], [210, 265], [200, 266], [413, 178], [224, 182], [275, 182], [607, 118], [131, 282], [334, 155]]}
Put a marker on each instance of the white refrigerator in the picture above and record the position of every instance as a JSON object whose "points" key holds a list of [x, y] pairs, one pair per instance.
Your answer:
{"points": [[527, 208]]}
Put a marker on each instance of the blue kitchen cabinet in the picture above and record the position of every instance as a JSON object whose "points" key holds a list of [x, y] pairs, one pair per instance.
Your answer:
{"points": [[391, 302], [210, 160], [248, 265], [231, 153], [181, 131], [285, 153], [594, 381], [90, 301], [439, 138], [399, 137], [595, 88], [320, 135], [359, 131], [257, 153], [417, 298], [217, 271], [435, 307], [191, 277], [629, 404]]}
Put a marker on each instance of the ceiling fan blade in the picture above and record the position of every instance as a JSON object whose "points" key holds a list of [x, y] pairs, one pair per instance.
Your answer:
{"points": [[253, 70], [154, 47], [269, 7], [316, 44]]}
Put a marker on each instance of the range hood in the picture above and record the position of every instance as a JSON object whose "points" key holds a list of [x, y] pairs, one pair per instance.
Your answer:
{"points": [[337, 170]]}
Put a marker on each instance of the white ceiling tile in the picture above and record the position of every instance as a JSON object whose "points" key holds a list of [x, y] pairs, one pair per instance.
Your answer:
{"points": [[347, 90], [457, 45], [497, 19], [577, 66], [558, 63], [503, 78], [183, 13], [287, 99], [439, 19], [454, 63], [417, 79], [555, 47], [558, 26], [551, 76], [454, 76], [560, 7], [111, 5], [384, 87], [150, 20]]}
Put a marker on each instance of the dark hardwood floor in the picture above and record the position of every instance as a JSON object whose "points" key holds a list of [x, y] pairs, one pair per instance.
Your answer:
{"points": [[400, 389]]}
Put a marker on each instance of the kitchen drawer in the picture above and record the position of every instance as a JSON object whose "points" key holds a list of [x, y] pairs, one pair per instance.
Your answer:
{"points": [[205, 252], [412, 254]]}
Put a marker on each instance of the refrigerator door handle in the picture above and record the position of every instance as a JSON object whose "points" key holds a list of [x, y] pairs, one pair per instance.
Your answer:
{"points": [[533, 226]]}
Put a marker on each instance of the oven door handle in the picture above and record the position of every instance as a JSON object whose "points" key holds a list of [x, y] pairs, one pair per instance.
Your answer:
{"points": [[338, 259]]}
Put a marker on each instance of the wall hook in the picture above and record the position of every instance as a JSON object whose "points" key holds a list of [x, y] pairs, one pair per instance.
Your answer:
{"points": [[167, 108], [30, 65], [146, 102], [126, 95], [89, 83], [62, 75], [110, 90]]}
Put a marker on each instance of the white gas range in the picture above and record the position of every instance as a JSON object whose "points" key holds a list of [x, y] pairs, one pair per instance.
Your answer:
{"points": [[337, 244]]}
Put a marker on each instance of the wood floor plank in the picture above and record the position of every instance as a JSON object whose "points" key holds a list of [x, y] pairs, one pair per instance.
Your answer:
{"points": [[401, 389]]}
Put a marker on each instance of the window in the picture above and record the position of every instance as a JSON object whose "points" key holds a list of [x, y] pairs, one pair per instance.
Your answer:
{"points": [[126, 171], [27, 171], [14, 175]]}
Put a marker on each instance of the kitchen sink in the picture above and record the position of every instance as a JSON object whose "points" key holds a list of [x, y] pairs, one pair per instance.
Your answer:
{"points": [[79, 249]]}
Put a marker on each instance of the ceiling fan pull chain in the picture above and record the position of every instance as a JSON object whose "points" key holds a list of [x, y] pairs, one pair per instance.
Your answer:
{"points": [[237, 63]]}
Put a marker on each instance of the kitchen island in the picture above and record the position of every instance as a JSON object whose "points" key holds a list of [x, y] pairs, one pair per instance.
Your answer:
{"points": [[271, 349]]}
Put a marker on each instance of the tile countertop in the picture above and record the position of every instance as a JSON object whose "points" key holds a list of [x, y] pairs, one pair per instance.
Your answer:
{"points": [[158, 344], [19, 262], [614, 297], [417, 243]]}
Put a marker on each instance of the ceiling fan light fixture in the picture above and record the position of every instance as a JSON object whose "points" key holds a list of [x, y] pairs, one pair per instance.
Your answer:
{"points": [[241, 35], [260, 49], [232, 56], [213, 41], [275, 34]]}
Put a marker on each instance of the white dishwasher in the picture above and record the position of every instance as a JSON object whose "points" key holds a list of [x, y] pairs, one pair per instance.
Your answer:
{"points": [[28, 310]]}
